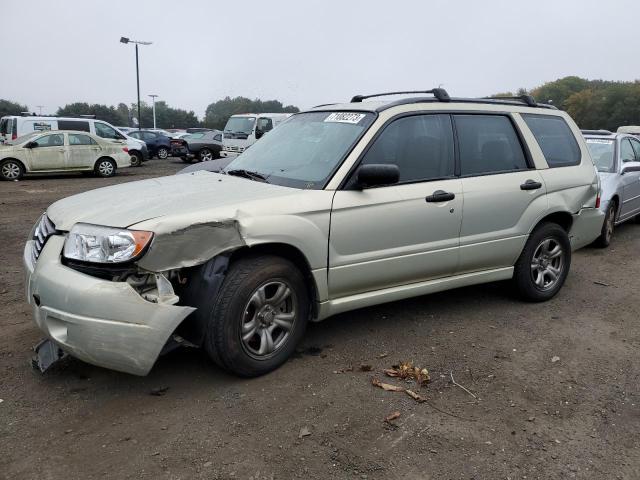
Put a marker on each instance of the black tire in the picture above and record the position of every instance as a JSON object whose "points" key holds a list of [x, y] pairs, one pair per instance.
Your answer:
{"points": [[533, 263], [186, 159], [606, 234], [163, 153], [105, 167], [233, 306], [136, 159], [205, 154], [11, 170]]}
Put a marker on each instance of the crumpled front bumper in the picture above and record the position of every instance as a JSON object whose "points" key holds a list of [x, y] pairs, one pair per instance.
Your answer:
{"points": [[586, 227], [98, 321]]}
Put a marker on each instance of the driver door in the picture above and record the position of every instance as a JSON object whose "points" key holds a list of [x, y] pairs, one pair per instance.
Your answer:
{"points": [[399, 234], [50, 153], [631, 180]]}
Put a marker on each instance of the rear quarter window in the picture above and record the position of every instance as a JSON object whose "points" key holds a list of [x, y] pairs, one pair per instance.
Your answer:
{"points": [[556, 140]]}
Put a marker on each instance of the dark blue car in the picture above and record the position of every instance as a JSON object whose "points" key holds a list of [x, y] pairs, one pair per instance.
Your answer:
{"points": [[160, 145]]}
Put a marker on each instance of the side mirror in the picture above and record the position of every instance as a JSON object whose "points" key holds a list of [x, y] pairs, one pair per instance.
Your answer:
{"points": [[629, 167], [31, 145], [377, 174]]}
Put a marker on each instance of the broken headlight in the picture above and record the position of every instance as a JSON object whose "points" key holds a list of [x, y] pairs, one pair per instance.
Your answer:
{"points": [[93, 243]]}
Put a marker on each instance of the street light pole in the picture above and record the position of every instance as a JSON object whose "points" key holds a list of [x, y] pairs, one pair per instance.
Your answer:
{"points": [[136, 42], [154, 109]]}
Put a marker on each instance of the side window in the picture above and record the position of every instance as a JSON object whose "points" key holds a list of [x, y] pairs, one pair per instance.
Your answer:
{"points": [[218, 137], [77, 139], [105, 131], [488, 144], [148, 136], [55, 140], [636, 148], [555, 138], [421, 146], [626, 151], [73, 125], [265, 124]]}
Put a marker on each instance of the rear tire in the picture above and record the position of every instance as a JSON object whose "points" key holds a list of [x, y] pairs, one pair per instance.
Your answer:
{"points": [[136, 159], [105, 167], [606, 234], [259, 316], [11, 170], [163, 153], [544, 263]]}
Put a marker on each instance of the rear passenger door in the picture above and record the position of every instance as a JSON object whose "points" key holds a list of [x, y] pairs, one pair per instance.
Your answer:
{"points": [[83, 151], [398, 234], [503, 193]]}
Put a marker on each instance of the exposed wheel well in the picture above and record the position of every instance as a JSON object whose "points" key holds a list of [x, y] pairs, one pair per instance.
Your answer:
{"points": [[617, 200], [564, 219], [290, 253]]}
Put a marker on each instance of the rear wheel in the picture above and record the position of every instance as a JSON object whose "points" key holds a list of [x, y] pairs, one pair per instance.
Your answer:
{"points": [[259, 317], [606, 234], [105, 167], [205, 155], [136, 159], [11, 169], [163, 153], [544, 263]]}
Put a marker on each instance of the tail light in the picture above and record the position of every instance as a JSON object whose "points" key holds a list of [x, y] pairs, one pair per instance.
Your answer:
{"points": [[14, 136], [598, 200], [125, 149]]}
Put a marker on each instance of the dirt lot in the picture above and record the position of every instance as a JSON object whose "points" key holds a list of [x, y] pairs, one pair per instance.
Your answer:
{"points": [[577, 417]]}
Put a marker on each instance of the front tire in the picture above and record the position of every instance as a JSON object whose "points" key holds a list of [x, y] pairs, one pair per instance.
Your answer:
{"points": [[163, 153], [259, 316], [105, 167], [544, 263], [606, 234], [11, 170]]}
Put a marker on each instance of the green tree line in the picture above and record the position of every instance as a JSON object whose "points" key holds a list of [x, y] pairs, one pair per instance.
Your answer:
{"points": [[593, 104], [217, 113]]}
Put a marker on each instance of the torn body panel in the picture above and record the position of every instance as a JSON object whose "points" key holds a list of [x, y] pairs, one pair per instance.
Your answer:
{"points": [[102, 322]]}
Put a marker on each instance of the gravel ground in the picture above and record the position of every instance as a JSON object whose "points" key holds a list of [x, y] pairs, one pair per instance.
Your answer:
{"points": [[319, 417]]}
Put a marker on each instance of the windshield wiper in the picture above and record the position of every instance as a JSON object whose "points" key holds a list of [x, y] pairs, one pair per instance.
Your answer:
{"points": [[247, 174]]}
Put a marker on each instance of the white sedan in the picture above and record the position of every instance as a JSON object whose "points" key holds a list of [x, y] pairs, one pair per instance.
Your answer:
{"points": [[62, 151]]}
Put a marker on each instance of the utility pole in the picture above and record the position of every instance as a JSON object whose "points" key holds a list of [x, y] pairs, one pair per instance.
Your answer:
{"points": [[154, 109], [136, 42], [39, 107]]}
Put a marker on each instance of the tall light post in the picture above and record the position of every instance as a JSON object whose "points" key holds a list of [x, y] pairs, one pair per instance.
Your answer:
{"points": [[154, 109], [136, 42], [39, 107]]}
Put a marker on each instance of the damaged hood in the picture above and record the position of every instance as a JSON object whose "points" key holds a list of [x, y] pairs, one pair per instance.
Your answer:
{"points": [[129, 203]]}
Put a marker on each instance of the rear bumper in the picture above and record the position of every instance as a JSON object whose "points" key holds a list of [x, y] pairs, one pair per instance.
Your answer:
{"points": [[98, 321], [586, 227]]}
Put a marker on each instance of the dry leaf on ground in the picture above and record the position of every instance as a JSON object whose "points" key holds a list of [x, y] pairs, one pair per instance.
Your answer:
{"points": [[386, 386]]}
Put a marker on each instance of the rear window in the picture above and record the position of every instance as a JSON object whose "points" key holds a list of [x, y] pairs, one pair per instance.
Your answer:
{"points": [[555, 138], [73, 125]]}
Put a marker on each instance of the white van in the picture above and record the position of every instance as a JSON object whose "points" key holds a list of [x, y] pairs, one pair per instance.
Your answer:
{"points": [[13, 126], [242, 131]]}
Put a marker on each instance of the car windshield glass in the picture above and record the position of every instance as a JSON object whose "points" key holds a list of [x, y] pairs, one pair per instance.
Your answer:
{"points": [[22, 139], [240, 124], [304, 151], [602, 153]]}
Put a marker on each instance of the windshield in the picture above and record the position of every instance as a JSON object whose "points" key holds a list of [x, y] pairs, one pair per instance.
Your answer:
{"points": [[602, 152], [22, 139], [305, 150], [240, 125]]}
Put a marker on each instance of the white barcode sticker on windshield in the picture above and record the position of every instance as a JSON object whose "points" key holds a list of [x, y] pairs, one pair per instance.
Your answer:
{"points": [[598, 140], [345, 117]]}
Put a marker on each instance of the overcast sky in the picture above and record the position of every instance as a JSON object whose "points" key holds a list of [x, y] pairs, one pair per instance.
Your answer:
{"points": [[305, 52]]}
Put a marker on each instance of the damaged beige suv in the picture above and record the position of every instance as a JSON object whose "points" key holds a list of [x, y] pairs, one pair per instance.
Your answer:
{"points": [[340, 207]]}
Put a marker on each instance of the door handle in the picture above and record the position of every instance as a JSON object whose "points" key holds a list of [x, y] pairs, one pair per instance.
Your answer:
{"points": [[440, 196], [530, 185]]}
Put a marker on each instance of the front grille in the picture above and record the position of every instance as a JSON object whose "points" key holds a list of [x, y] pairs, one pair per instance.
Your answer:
{"points": [[41, 234]]}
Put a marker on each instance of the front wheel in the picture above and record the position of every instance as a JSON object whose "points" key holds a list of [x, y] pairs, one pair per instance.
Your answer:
{"points": [[259, 316], [544, 263], [205, 155], [105, 167], [163, 153]]}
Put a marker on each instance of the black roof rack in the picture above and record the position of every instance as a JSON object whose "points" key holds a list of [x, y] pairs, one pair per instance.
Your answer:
{"points": [[439, 93], [596, 132]]}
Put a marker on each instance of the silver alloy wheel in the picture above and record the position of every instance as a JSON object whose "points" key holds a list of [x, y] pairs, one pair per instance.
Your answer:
{"points": [[11, 170], [206, 155], [268, 319], [547, 264], [105, 168], [163, 153]]}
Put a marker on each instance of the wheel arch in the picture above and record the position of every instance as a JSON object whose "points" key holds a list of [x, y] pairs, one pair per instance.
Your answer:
{"points": [[562, 218], [24, 167]]}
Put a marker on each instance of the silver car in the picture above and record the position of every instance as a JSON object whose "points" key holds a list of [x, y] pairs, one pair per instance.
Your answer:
{"points": [[341, 207], [617, 159]]}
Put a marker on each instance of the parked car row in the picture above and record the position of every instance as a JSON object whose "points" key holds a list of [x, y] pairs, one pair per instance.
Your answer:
{"points": [[341, 207]]}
